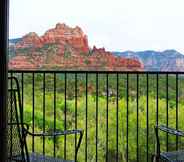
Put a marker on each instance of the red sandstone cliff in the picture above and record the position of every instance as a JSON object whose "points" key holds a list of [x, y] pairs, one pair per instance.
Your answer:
{"points": [[66, 48], [113, 62], [61, 35], [21, 62]]}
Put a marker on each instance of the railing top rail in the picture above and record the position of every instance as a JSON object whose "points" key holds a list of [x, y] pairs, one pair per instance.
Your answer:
{"points": [[94, 72]]}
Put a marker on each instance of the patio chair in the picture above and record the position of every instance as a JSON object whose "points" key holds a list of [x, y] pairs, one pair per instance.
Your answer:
{"points": [[18, 131], [172, 156]]}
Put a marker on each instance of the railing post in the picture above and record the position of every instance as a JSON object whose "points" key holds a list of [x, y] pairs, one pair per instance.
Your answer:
{"points": [[4, 6]]}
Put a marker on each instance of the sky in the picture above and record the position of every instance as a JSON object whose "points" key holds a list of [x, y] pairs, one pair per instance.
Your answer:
{"points": [[117, 25]]}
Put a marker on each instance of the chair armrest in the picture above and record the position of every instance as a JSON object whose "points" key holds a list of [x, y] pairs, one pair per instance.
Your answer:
{"points": [[57, 133], [61, 133], [170, 130]]}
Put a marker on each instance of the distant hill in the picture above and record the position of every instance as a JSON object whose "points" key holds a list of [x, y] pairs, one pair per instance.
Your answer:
{"points": [[14, 41], [168, 60]]}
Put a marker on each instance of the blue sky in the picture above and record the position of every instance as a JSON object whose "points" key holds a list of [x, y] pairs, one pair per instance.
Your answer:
{"points": [[117, 25]]}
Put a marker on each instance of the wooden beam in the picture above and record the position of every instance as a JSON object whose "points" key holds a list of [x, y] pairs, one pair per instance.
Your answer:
{"points": [[4, 12]]}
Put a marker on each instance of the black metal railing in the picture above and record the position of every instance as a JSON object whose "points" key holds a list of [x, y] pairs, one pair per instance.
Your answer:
{"points": [[117, 110]]}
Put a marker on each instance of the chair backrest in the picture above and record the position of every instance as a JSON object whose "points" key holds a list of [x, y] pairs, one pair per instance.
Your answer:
{"points": [[17, 147]]}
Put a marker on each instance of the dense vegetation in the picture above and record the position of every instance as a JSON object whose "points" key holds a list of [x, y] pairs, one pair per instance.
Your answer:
{"points": [[147, 105]]}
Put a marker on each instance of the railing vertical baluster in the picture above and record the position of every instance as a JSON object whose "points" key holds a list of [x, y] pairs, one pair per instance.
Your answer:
{"points": [[22, 83], [127, 98], [33, 112], [65, 116], [107, 115], [147, 115], [177, 110], [54, 114], [86, 124], [167, 111], [157, 84], [75, 113], [137, 117], [11, 116], [96, 117], [43, 113], [117, 116]]}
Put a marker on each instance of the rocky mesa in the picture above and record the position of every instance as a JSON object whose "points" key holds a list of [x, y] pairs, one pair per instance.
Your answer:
{"points": [[62, 35], [66, 48]]}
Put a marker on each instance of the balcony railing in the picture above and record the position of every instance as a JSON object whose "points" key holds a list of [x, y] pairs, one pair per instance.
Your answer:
{"points": [[117, 110]]}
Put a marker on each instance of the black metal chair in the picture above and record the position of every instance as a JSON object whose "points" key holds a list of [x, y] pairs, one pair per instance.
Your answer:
{"points": [[18, 131], [173, 156]]}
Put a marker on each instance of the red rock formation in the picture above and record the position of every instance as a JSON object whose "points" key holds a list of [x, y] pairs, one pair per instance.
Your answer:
{"points": [[100, 56], [21, 62], [31, 40], [98, 50], [49, 51], [61, 34]]}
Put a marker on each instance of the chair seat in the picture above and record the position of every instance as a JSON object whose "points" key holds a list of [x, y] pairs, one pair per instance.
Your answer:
{"points": [[34, 157], [174, 156]]}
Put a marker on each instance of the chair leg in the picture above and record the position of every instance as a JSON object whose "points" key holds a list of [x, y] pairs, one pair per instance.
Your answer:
{"points": [[155, 158], [152, 158]]}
